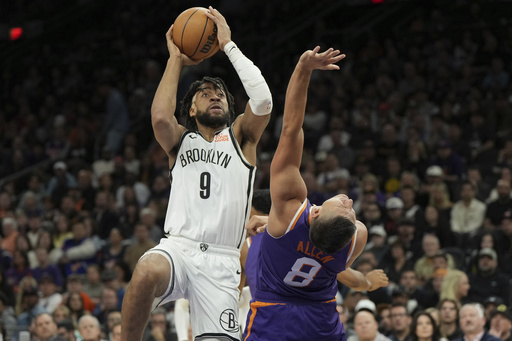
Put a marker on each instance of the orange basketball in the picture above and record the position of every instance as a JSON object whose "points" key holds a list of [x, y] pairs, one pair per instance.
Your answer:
{"points": [[195, 34]]}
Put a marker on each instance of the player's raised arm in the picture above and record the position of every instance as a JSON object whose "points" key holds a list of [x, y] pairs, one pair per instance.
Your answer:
{"points": [[165, 125], [248, 127], [286, 181]]}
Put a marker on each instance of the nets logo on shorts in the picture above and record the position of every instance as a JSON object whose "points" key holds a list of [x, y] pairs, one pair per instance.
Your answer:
{"points": [[228, 321], [203, 247]]}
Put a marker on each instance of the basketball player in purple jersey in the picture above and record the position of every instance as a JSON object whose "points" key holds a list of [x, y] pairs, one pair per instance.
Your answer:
{"points": [[305, 248]]}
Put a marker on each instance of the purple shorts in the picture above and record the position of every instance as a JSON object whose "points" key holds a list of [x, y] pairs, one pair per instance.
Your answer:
{"points": [[287, 321]]}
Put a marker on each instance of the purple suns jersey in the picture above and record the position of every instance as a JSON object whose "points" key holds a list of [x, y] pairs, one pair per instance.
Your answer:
{"points": [[291, 269], [251, 262]]}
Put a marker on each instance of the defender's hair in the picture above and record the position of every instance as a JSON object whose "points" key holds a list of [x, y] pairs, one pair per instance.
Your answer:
{"points": [[331, 234], [261, 200], [186, 102]]}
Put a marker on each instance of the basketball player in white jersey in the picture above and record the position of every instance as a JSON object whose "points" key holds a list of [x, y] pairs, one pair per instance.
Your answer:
{"points": [[212, 163]]}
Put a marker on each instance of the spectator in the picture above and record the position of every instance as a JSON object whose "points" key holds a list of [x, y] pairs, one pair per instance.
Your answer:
{"points": [[66, 330], [455, 286], [117, 118], [62, 231], [20, 269], [438, 225], [28, 305], [103, 167], [76, 306], [7, 316], [467, 214], [504, 238], [109, 301], [472, 322], [116, 332], [61, 181], [113, 251], [104, 215], [158, 327], [141, 244], [501, 323], [424, 328], [9, 234], [401, 323], [424, 266], [377, 242], [50, 297], [394, 214], [395, 261], [93, 286], [449, 319], [78, 251], [113, 318], [384, 318], [488, 279], [496, 208], [89, 328], [74, 284], [148, 218], [109, 278], [366, 327], [45, 268], [45, 328]]}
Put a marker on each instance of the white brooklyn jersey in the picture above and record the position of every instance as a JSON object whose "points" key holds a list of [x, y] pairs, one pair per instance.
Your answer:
{"points": [[211, 190]]}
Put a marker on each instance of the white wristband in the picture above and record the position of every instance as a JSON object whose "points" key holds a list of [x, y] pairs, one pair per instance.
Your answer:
{"points": [[260, 98]]}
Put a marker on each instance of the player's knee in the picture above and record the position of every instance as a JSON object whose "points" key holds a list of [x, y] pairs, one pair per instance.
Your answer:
{"points": [[151, 271]]}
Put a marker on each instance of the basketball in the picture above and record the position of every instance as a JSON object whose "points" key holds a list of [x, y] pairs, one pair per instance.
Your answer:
{"points": [[195, 34]]}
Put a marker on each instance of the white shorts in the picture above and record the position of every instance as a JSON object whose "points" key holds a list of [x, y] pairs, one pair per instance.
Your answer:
{"points": [[208, 276]]}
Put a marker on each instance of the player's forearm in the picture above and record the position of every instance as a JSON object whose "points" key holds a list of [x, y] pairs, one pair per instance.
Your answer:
{"points": [[164, 102], [260, 97], [296, 98], [354, 280]]}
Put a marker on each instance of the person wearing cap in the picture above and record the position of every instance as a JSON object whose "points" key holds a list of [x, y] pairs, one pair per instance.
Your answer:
{"points": [[377, 242], [501, 323], [472, 323], [394, 214], [488, 279], [61, 181], [51, 298], [110, 279]]}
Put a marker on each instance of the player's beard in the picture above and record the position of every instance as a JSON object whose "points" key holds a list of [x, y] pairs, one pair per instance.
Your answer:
{"points": [[212, 121]]}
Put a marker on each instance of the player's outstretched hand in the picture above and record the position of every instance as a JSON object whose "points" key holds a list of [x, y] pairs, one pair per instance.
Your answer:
{"points": [[326, 60], [378, 279], [174, 51], [223, 30], [256, 224]]}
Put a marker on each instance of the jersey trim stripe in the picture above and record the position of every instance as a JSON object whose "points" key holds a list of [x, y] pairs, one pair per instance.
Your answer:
{"points": [[217, 336], [254, 309], [250, 184], [352, 244], [296, 217], [185, 133], [238, 149], [169, 292]]}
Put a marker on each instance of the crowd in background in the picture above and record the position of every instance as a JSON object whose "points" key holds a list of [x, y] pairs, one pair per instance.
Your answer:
{"points": [[416, 128]]}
